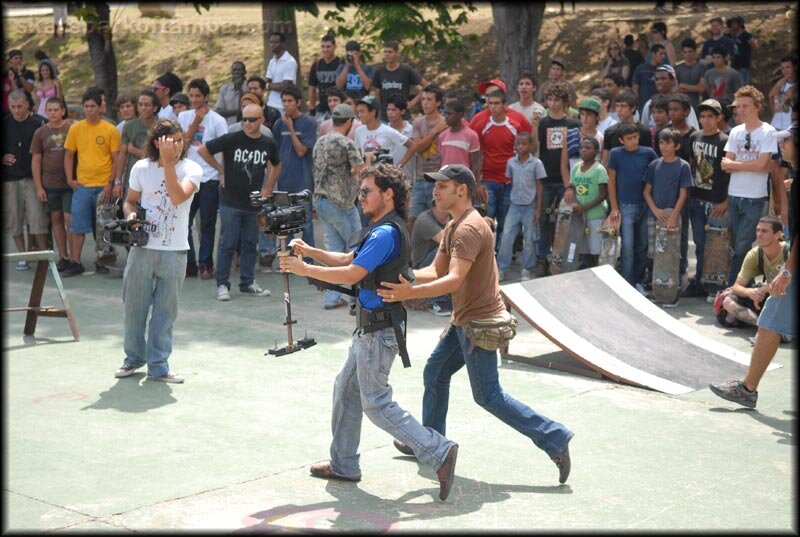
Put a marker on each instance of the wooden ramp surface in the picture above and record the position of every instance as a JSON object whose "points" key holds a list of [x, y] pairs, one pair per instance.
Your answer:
{"points": [[600, 320]]}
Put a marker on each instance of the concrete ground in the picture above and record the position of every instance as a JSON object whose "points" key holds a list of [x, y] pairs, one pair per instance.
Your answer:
{"points": [[229, 449]]}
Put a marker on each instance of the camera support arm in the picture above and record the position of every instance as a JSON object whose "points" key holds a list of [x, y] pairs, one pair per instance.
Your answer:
{"points": [[302, 343]]}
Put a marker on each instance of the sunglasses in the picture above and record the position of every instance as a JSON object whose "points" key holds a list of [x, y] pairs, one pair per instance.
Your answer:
{"points": [[747, 142], [250, 119], [157, 88], [364, 192]]}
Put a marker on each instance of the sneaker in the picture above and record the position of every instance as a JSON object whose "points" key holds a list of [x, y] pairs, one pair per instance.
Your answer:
{"points": [[525, 275], [124, 371], [735, 391], [22, 265], [693, 292], [671, 304], [101, 269], [710, 299], [206, 272], [169, 377], [223, 293], [191, 271], [641, 289], [265, 262], [785, 338], [255, 290], [684, 282], [73, 269], [62, 264], [339, 304], [540, 270], [440, 311]]}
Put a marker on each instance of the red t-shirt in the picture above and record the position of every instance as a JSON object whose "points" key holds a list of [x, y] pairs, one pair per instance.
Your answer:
{"points": [[497, 142]]}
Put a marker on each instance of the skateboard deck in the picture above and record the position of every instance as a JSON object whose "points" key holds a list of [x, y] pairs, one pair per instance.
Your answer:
{"points": [[716, 259], [569, 237], [106, 213], [609, 246], [666, 263]]}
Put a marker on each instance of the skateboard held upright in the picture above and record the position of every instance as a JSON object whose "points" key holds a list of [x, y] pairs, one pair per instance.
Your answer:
{"points": [[666, 263]]}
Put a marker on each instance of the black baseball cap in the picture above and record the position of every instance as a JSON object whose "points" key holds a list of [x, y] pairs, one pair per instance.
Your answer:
{"points": [[453, 172]]}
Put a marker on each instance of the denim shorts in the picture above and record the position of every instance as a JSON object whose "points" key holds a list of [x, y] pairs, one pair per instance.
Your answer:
{"points": [[779, 313], [84, 208], [59, 199]]}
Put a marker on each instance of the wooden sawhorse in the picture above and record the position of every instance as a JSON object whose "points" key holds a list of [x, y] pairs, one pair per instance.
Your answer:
{"points": [[35, 309]]}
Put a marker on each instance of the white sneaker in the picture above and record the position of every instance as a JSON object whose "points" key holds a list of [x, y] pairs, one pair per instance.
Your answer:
{"points": [[526, 275], [640, 288], [22, 265], [254, 290], [223, 293], [710, 299]]}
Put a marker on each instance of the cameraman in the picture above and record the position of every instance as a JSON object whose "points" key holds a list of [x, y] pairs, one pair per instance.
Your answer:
{"points": [[163, 184], [382, 254]]}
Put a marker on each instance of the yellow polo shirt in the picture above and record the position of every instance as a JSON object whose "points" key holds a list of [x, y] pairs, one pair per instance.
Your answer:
{"points": [[94, 145]]}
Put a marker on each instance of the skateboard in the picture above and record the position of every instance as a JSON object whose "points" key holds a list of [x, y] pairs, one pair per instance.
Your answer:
{"points": [[106, 213], [666, 263], [569, 236], [716, 259], [609, 246]]}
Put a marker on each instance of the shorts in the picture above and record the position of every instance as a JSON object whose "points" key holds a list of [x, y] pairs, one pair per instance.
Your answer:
{"points": [[779, 313], [21, 206], [84, 208], [59, 199], [594, 239]]}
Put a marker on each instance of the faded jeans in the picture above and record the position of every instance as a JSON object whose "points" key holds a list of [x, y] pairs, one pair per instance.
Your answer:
{"points": [[700, 215], [447, 358], [633, 244], [498, 198], [744, 215], [518, 216], [152, 278], [337, 226], [362, 387]]}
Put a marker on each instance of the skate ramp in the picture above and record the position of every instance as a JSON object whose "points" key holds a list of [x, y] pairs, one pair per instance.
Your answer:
{"points": [[600, 320]]}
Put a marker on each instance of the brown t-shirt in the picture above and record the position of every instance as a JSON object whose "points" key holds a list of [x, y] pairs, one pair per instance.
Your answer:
{"points": [[470, 238], [49, 141]]}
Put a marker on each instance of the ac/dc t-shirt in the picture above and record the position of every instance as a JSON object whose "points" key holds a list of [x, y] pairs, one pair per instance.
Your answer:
{"points": [[552, 137], [245, 161]]}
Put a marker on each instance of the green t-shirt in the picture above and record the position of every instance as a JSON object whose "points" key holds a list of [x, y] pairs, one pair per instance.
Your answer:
{"points": [[134, 132], [587, 188]]}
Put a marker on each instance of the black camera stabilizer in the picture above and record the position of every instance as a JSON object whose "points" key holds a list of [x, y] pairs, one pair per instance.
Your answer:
{"points": [[282, 215]]}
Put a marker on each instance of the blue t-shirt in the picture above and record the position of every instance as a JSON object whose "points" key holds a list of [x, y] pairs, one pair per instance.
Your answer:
{"points": [[353, 81], [667, 179], [296, 173], [382, 246], [630, 167]]}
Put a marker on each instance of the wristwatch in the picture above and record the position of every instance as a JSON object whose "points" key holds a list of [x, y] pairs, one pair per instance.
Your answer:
{"points": [[786, 273]]}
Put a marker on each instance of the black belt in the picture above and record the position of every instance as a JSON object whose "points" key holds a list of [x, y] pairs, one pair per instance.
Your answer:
{"points": [[374, 320]]}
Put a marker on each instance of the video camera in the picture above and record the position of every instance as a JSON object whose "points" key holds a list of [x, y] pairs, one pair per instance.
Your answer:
{"points": [[128, 232], [383, 157], [282, 213]]}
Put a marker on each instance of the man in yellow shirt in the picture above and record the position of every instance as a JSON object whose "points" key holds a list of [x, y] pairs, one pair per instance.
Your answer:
{"points": [[97, 144]]}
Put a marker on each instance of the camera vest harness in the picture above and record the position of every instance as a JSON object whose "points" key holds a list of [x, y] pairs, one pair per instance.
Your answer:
{"points": [[392, 314]]}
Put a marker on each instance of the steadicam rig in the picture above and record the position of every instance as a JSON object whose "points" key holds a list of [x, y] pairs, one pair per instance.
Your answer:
{"points": [[283, 214]]}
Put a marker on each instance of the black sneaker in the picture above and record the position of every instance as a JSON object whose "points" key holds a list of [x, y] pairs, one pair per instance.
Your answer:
{"points": [[735, 391], [191, 270], [62, 264], [693, 292], [101, 269], [73, 269]]}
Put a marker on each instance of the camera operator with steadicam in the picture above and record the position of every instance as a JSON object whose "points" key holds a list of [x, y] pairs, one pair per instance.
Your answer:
{"points": [[163, 184], [381, 253]]}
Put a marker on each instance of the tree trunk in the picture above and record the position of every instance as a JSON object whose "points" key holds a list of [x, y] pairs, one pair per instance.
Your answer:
{"points": [[101, 52], [281, 18], [517, 28]]}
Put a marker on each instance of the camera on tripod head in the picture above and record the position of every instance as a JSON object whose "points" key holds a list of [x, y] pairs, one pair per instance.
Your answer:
{"points": [[282, 213], [383, 156], [128, 232]]}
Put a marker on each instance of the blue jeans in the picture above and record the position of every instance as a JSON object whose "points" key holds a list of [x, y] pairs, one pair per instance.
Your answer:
{"points": [[745, 73], [552, 191], [498, 198], [207, 202], [337, 227], [744, 215], [237, 225], [362, 387], [152, 278], [447, 358], [270, 244], [700, 215], [518, 216], [421, 197], [633, 243]]}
